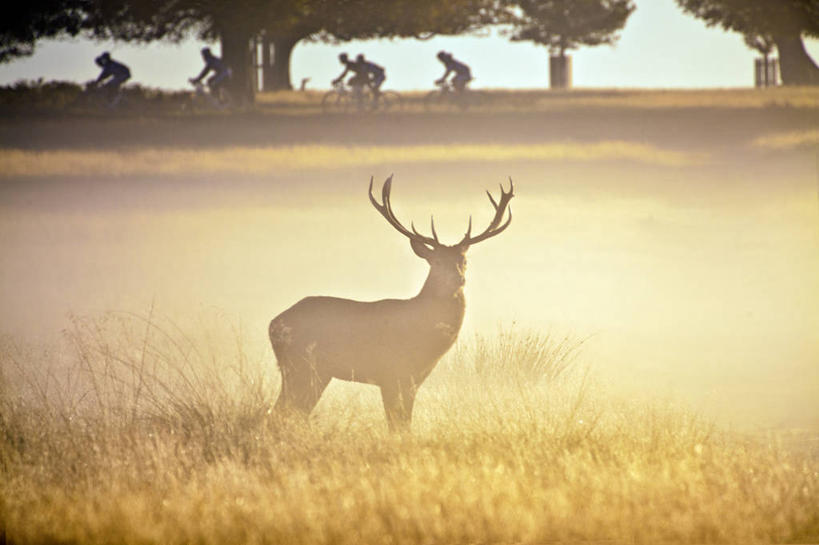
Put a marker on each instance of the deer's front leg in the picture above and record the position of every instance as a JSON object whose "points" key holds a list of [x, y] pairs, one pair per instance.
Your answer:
{"points": [[399, 398]]}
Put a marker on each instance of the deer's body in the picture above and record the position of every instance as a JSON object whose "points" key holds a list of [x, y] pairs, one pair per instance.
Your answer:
{"points": [[392, 343], [394, 339]]}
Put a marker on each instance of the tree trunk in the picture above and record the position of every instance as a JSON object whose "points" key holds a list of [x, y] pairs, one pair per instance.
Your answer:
{"points": [[276, 73], [560, 70], [794, 62], [236, 53]]}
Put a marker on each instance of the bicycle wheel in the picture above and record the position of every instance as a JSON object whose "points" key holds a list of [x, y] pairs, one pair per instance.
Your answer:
{"points": [[473, 99], [334, 102], [225, 100], [390, 101], [434, 100], [87, 102]]}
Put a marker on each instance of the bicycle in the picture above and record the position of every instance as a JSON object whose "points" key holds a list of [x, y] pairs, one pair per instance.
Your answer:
{"points": [[96, 97], [342, 99], [447, 95], [203, 98]]}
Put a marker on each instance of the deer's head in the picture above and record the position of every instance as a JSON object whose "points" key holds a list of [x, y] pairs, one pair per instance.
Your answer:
{"points": [[447, 263]]}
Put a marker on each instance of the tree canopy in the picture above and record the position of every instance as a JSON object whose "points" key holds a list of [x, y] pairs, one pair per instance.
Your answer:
{"points": [[758, 16], [568, 24], [24, 23], [236, 23], [785, 21]]}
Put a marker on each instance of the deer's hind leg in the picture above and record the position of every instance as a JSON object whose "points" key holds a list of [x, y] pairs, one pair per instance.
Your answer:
{"points": [[301, 389]]}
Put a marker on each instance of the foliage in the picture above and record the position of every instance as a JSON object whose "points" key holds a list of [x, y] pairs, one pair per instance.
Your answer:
{"points": [[763, 43], [786, 22], [23, 23], [366, 19], [343, 20], [771, 17], [568, 24]]}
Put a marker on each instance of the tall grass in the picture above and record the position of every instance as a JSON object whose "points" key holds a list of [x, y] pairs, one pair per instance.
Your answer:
{"points": [[520, 356], [140, 431]]}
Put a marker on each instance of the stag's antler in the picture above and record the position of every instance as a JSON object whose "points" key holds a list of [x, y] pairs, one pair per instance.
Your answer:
{"points": [[385, 208], [495, 226]]}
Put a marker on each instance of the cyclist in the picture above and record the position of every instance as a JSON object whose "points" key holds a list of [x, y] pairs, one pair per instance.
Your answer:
{"points": [[462, 73], [375, 74], [221, 73], [113, 75], [360, 77]]}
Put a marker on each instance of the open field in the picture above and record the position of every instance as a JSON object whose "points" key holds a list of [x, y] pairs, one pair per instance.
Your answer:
{"points": [[665, 243], [174, 444]]}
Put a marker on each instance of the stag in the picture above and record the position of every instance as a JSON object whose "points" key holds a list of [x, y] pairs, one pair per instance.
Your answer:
{"points": [[392, 343]]}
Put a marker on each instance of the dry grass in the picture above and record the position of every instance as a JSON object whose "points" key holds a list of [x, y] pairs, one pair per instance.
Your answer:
{"points": [[549, 100], [789, 140], [268, 160], [147, 434], [56, 97]]}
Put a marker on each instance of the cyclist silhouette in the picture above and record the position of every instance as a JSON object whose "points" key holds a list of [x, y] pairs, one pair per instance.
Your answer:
{"points": [[375, 74], [221, 72], [113, 75], [360, 77], [462, 73]]}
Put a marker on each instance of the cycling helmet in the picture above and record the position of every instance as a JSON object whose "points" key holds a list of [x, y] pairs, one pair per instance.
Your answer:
{"points": [[102, 59], [206, 52], [343, 57], [359, 58], [442, 55]]}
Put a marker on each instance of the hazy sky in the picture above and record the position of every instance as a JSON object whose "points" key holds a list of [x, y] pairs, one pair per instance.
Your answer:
{"points": [[659, 47]]}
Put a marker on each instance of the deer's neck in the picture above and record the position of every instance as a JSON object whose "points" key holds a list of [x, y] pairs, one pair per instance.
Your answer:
{"points": [[443, 295], [439, 310]]}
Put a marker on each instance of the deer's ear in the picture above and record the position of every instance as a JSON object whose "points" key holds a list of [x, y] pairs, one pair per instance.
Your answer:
{"points": [[421, 249]]}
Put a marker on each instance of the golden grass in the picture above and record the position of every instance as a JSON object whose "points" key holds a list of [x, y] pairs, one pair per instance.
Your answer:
{"points": [[789, 140], [265, 160], [780, 97], [172, 443], [548, 100]]}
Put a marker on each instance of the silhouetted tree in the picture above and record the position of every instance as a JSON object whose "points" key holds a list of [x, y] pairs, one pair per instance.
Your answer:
{"points": [[785, 21], [236, 24], [763, 43], [24, 23], [568, 24], [343, 20]]}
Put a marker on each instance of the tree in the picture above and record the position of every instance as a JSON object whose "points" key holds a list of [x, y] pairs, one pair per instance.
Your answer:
{"points": [[24, 23], [785, 21], [234, 24], [237, 24], [765, 72], [568, 24], [344, 20], [764, 44], [292, 22]]}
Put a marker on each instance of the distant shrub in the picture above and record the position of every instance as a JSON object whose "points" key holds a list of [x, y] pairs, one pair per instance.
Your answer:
{"points": [[520, 355], [40, 95]]}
